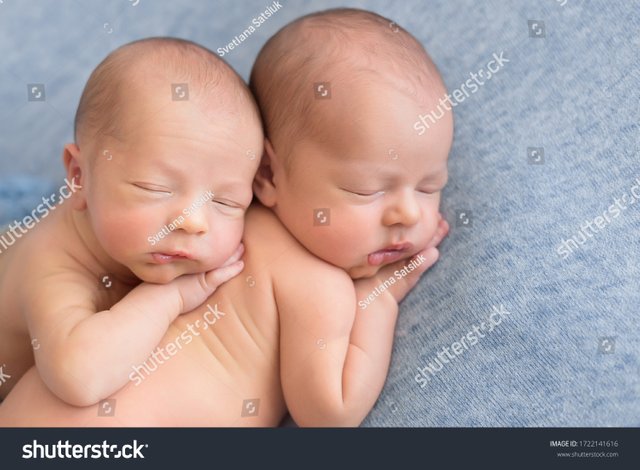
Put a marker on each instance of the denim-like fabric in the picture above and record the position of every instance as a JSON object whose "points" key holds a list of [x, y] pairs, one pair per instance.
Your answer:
{"points": [[567, 353]]}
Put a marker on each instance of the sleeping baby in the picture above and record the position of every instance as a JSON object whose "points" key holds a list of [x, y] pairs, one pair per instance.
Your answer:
{"points": [[159, 179], [347, 221]]}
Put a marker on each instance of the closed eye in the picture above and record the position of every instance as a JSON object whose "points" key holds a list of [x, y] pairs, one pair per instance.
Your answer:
{"points": [[365, 193], [152, 188], [228, 206], [225, 203]]}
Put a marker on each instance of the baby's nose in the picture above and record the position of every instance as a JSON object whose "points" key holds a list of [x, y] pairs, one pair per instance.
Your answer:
{"points": [[403, 210], [195, 223]]}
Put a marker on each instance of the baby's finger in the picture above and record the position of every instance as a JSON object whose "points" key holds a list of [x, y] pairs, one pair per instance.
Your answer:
{"points": [[426, 258], [219, 276], [235, 256], [441, 233]]}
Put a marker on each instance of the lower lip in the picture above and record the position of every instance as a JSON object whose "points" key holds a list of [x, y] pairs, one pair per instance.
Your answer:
{"points": [[385, 256], [161, 258]]}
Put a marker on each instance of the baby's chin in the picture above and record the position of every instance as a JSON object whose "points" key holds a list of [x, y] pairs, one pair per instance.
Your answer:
{"points": [[362, 272], [160, 274]]}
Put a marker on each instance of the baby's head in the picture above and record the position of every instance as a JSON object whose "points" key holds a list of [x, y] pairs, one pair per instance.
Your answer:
{"points": [[166, 135], [344, 168]]}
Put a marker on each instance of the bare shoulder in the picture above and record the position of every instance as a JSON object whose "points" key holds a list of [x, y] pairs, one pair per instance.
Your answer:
{"points": [[46, 271], [301, 281], [291, 262]]}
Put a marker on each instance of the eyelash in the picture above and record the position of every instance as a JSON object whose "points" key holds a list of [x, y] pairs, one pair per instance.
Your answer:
{"points": [[222, 203], [366, 195], [382, 192], [157, 191]]}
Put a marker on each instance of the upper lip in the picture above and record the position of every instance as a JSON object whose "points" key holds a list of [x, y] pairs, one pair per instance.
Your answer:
{"points": [[403, 246], [178, 253]]}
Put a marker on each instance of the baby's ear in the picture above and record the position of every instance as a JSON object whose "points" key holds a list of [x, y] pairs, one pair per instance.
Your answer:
{"points": [[264, 185], [71, 158]]}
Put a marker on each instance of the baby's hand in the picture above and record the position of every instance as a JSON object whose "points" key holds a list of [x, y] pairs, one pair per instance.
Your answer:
{"points": [[441, 232], [194, 289], [402, 286]]}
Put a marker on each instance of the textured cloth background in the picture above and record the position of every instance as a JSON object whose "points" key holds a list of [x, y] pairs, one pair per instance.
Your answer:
{"points": [[568, 354]]}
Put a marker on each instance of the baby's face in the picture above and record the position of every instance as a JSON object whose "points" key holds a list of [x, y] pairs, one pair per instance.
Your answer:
{"points": [[169, 198], [372, 180]]}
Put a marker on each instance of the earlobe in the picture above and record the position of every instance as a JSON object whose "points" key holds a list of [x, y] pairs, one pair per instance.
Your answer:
{"points": [[264, 182], [71, 157]]}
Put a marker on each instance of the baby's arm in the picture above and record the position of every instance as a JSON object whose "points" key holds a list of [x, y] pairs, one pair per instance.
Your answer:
{"points": [[335, 355], [84, 356]]}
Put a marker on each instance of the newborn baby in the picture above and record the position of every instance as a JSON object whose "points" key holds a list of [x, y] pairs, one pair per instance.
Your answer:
{"points": [[159, 186], [347, 222]]}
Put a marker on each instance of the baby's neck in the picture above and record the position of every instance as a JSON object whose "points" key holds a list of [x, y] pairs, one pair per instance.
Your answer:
{"points": [[91, 254]]}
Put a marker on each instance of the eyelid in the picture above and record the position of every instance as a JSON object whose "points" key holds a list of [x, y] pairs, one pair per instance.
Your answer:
{"points": [[364, 194], [152, 188], [229, 204]]}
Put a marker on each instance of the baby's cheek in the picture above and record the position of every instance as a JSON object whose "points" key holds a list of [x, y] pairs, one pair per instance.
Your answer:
{"points": [[229, 237]]}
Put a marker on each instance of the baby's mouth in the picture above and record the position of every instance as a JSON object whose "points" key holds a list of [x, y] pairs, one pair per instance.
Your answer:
{"points": [[389, 254], [164, 258]]}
